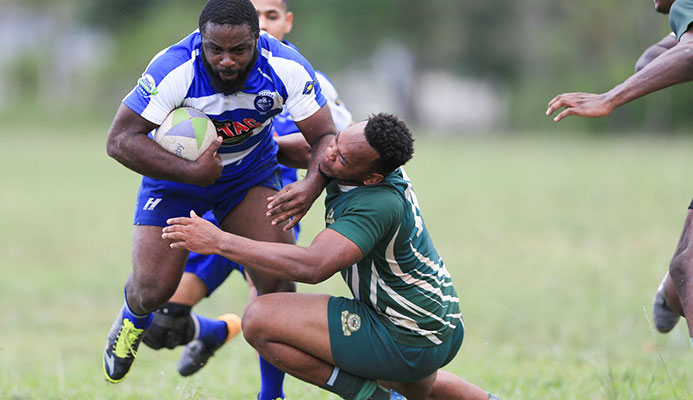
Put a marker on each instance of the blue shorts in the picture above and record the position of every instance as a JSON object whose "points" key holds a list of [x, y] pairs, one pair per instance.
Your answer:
{"points": [[159, 200], [211, 269]]}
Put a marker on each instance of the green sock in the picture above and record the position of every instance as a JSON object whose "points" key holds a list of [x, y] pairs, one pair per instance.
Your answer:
{"points": [[352, 387]]}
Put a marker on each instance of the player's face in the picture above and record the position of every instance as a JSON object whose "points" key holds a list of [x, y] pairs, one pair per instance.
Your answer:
{"points": [[663, 6], [229, 53], [349, 158], [274, 17]]}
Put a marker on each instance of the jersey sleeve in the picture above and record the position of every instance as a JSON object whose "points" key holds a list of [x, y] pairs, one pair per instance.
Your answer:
{"points": [[340, 114], [680, 17], [303, 93], [369, 219], [163, 85]]}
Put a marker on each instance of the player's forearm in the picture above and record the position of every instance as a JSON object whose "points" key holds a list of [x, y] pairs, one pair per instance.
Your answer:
{"points": [[277, 260], [316, 153], [128, 143], [671, 67], [140, 154]]}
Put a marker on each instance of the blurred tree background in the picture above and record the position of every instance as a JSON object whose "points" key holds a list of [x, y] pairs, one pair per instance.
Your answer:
{"points": [[446, 65]]}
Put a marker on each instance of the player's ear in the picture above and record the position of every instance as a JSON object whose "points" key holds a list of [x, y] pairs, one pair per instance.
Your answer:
{"points": [[373, 179], [289, 22]]}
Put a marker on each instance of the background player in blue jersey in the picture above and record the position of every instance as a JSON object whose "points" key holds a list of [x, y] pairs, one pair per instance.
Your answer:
{"points": [[667, 63], [404, 322], [242, 79], [174, 323]]}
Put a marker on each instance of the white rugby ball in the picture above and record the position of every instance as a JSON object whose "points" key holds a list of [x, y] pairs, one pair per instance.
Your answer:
{"points": [[186, 132]]}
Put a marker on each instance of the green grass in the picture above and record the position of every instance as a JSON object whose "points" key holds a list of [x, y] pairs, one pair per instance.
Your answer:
{"points": [[556, 245]]}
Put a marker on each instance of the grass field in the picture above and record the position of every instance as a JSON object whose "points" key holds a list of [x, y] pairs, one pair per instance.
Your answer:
{"points": [[556, 245]]}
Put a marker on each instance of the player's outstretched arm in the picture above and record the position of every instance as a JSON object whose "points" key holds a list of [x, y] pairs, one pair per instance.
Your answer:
{"points": [[128, 143], [329, 252], [671, 67], [294, 200]]}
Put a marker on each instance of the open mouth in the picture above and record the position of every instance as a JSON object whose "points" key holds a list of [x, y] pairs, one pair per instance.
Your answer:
{"points": [[228, 76]]}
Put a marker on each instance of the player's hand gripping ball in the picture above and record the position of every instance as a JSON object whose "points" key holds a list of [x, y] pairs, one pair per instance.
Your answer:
{"points": [[186, 132]]}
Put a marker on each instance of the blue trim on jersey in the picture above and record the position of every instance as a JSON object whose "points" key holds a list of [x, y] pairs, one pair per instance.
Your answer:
{"points": [[286, 42]]}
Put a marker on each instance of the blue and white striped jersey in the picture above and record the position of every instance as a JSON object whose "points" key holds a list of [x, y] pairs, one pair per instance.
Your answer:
{"points": [[281, 77]]}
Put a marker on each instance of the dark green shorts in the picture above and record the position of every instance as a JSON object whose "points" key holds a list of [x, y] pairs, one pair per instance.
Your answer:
{"points": [[362, 345]]}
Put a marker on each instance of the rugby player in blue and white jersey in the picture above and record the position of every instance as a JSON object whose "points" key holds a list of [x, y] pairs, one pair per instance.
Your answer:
{"points": [[242, 79], [174, 323]]}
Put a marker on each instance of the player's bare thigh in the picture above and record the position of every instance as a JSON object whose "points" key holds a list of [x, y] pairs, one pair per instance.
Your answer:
{"points": [[156, 268], [249, 219], [682, 256], [686, 240], [295, 319]]}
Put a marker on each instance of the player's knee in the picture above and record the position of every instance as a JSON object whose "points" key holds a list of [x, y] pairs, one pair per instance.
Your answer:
{"points": [[151, 301], [153, 295], [253, 321], [172, 326]]}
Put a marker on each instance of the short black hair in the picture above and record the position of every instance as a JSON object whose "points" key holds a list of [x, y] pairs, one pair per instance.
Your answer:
{"points": [[230, 12], [391, 139]]}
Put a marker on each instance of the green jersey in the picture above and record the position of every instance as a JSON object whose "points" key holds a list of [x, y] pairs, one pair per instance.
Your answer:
{"points": [[401, 274], [680, 17]]}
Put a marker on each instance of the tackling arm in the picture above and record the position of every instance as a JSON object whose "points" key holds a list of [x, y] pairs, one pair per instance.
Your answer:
{"points": [[318, 130], [329, 252], [128, 143], [294, 200]]}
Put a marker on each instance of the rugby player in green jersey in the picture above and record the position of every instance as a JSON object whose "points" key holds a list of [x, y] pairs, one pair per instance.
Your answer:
{"points": [[404, 321], [664, 64]]}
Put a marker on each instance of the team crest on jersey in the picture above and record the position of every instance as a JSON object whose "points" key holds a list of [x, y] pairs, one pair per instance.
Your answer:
{"points": [[264, 101], [310, 85], [147, 86], [350, 322], [329, 219]]}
